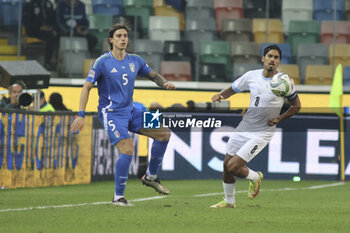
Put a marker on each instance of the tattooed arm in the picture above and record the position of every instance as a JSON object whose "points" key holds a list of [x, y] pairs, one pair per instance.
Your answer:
{"points": [[160, 80]]}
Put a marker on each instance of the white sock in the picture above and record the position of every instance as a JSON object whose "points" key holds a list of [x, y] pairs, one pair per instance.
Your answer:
{"points": [[117, 197], [151, 177], [252, 175], [229, 190]]}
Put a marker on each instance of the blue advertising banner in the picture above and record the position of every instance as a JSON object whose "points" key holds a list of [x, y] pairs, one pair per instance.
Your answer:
{"points": [[304, 145]]}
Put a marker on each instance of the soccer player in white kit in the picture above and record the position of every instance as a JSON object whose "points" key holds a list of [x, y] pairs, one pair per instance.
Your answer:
{"points": [[257, 127]]}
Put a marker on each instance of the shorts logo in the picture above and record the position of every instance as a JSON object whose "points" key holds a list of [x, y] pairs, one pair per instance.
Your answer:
{"points": [[254, 149], [91, 74], [132, 67], [151, 120], [116, 133]]}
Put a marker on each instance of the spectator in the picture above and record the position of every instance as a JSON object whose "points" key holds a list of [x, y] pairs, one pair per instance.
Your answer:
{"points": [[79, 22], [154, 106], [14, 90], [40, 22], [45, 106], [57, 102]]}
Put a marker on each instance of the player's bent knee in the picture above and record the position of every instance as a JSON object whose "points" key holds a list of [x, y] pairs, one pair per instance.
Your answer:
{"points": [[232, 166]]}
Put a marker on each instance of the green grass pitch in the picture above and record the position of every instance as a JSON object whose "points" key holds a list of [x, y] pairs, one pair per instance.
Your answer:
{"points": [[282, 206]]}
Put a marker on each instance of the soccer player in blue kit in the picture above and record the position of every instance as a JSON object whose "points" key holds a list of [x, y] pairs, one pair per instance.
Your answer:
{"points": [[115, 73]]}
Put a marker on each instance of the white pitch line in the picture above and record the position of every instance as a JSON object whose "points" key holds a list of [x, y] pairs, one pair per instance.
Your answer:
{"points": [[75, 205], [160, 197], [277, 190]]}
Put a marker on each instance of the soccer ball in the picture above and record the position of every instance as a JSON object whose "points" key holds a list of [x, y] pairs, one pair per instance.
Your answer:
{"points": [[281, 84]]}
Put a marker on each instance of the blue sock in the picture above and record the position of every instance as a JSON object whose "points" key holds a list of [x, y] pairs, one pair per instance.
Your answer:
{"points": [[121, 173], [157, 154]]}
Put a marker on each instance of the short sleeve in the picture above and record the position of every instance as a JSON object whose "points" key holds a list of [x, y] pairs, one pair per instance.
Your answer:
{"points": [[294, 93], [241, 84], [144, 68], [94, 73]]}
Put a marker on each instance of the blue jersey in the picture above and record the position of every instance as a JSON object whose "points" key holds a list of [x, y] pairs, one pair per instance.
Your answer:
{"points": [[116, 79]]}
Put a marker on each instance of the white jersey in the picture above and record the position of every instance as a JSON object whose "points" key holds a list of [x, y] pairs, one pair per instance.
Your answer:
{"points": [[263, 106]]}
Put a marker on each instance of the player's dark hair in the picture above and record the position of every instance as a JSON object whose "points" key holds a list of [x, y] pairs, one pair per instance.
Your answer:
{"points": [[114, 28], [273, 47]]}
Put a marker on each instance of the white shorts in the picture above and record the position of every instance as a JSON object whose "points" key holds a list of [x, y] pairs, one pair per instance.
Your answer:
{"points": [[247, 144]]}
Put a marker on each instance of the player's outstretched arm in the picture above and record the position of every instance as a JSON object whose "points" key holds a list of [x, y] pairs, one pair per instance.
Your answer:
{"points": [[224, 94], [78, 122], [294, 109], [160, 80]]}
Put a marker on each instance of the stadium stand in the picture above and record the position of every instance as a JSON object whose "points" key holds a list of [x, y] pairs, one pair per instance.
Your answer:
{"points": [[163, 28], [245, 52], [216, 52], [286, 52], [99, 27], [227, 9], [341, 28], [196, 9], [254, 8], [9, 10], [151, 51], [176, 70], [303, 32], [71, 55], [292, 70], [212, 73], [347, 10], [237, 30], [319, 75], [200, 30], [162, 9], [339, 54], [88, 6], [346, 76], [324, 10], [143, 8], [296, 10], [311, 54], [275, 34], [107, 7]]}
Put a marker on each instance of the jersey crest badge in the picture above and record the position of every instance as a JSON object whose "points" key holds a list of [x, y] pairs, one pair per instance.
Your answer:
{"points": [[132, 67]]}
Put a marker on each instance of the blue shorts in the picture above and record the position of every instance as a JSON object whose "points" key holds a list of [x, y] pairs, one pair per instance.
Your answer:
{"points": [[117, 124]]}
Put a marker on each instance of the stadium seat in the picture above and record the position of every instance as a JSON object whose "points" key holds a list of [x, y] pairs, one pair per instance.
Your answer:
{"points": [[4, 41], [163, 28], [200, 30], [324, 10], [151, 51], [132, 22], [296, 10], [9, 11], [179, 5], [107, 7], [292, 70], [212, 73], [347, 10], [341, 54], [162, 9], [88, 6], [196, 9], [346, 76], [87, 66], [99, 26], [216, 52], [176, 70], [8, 50], [341, 28], [319, 75], [285, 49], [143, 8], [275, 34], [245, 52], [236, 30], [254, 8], [311, 54], [275, 9], [71, 54], [241, 68], [12, 58], [303, 32], [227, 9]]}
